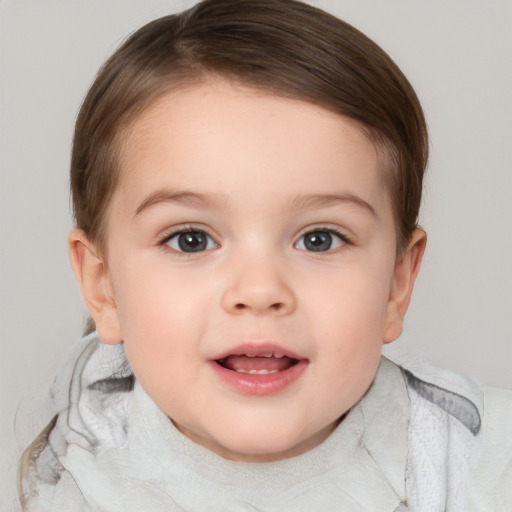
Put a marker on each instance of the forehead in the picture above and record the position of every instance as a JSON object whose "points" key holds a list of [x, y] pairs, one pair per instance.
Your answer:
{"points": [[225, 137]]}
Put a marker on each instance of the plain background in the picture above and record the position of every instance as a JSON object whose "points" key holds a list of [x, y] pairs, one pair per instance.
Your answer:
{"points": [[457, 55]]}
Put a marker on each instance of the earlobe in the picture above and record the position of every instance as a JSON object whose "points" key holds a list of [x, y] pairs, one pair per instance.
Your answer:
{"points": [[404, 276], [93, 278]]}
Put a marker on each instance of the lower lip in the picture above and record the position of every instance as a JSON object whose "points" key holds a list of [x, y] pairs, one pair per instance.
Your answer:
{"points": [[259, 385]]}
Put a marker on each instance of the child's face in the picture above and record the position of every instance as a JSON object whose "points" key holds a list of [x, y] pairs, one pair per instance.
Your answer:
{"points": [[248, 225]]}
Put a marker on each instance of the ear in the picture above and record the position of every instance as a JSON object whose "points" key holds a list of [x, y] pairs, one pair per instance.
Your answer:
{"points": [[406, 269], [93, 277]]}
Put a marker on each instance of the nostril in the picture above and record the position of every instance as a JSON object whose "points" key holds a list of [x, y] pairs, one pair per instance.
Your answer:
{"points": [[277, 306]]}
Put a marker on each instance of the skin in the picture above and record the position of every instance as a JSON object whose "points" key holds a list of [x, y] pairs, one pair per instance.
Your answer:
{"points": [[255, 172]]}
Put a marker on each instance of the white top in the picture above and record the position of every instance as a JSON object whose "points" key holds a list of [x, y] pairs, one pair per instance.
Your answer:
{"points": [[407, 445]]}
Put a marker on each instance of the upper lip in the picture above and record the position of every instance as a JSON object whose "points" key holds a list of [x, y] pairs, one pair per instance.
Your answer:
{"points": [[256, 349]]}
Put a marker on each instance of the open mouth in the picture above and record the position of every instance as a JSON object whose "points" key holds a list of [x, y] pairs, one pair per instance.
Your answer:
{"points": [[261, 364], [258, 369]]}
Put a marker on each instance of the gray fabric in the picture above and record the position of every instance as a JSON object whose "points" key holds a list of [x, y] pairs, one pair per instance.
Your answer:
{"points": [[454, 404]]}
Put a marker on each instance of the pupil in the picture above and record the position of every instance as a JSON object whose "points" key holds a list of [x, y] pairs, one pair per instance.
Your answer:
{"points": [[318, 241], [192, 242]]}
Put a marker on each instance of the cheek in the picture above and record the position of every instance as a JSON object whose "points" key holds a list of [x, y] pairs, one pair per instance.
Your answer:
{"points": [[158, 314], [349, 300], [158, 306], [347, 315]]}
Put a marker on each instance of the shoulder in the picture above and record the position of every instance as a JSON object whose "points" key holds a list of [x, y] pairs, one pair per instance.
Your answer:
{"points": [[44, 484], [465, 428], [458, 397], [491, 482], [91, 401]]}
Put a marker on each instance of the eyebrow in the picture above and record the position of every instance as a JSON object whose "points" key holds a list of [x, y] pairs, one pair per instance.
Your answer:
{"points": [[311, 201], [301, 202], [176, 196]]}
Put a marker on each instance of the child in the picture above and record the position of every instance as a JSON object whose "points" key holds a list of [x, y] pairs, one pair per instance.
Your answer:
{"points": [[246, 181]]}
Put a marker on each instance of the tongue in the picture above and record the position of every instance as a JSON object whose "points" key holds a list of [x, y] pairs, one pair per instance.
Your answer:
{"points": [[245, 363]]}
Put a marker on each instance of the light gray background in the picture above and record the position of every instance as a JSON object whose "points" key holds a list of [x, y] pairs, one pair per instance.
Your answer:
{"points": [[456, 53]]}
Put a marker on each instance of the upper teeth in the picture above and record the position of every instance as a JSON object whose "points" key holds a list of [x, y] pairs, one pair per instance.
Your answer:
{"points": [[270, 354], [257, 372]]}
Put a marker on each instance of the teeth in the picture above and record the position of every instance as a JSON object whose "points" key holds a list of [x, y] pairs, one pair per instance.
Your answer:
{"points": [[257, 372], [260, 355], [270, 354]]}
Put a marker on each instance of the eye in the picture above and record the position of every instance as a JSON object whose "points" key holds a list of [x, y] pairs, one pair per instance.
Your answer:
{"points": [[190, 240], [321, 240]]}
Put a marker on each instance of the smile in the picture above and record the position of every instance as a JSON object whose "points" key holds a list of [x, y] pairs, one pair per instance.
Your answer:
{"points": [[258, 370]]}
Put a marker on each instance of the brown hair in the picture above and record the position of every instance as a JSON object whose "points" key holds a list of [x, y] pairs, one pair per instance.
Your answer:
{"points": [[281, 46]]}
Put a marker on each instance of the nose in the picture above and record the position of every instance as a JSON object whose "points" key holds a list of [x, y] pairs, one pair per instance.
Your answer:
{"points": [[258, 287]]}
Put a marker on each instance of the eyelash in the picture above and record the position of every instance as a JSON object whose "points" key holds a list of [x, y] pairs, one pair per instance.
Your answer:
{"points": [[346, 240], [163, 241]]}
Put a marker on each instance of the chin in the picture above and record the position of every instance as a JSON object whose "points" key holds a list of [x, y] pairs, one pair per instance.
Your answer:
{"points": [[258, 447], [260, 453]]}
